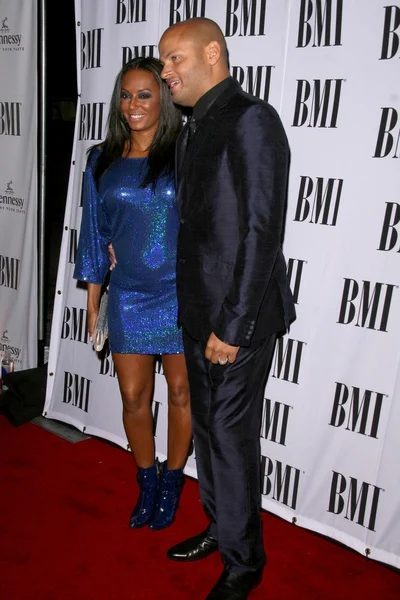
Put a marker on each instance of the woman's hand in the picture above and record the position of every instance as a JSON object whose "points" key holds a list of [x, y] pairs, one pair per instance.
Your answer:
{"points": [[111, 254], [92, 320], [93, 303]]}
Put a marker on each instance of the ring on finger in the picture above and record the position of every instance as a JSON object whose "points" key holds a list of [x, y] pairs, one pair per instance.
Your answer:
{"points": [[221, 361]]}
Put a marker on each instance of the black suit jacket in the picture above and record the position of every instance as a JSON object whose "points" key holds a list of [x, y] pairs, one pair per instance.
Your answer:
{"points": [[231, 273]]}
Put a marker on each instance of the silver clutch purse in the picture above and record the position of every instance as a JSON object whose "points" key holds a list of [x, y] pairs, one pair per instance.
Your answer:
{"points": [[101, 330]]}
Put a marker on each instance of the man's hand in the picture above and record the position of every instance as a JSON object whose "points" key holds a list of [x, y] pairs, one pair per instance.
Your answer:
{"points": [[111, 254], [218, 352]]}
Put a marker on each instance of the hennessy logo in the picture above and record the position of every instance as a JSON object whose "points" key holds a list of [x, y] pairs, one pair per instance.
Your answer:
{"points": [[9, 189], [5, 337], [4, 27]]}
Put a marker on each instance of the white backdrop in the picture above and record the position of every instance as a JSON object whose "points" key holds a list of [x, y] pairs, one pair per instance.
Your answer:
{"points": [[18, 181], [330, 444]]}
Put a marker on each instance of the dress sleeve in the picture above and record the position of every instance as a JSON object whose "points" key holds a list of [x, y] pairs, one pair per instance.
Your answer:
{"points": [[92, 260]]}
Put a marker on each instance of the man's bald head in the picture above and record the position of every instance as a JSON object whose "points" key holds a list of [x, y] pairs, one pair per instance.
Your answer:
{"points": [[195, 59], [202, 31]]}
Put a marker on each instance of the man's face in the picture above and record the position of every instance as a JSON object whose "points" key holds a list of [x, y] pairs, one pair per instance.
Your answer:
{"points": [[186, 68]]}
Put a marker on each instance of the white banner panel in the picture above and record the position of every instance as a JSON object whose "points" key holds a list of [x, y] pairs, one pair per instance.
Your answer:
{"points": [[18, 181], [329, 434]]}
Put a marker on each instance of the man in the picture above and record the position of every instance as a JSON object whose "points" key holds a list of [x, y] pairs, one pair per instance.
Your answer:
{"points": [[232, 289]]}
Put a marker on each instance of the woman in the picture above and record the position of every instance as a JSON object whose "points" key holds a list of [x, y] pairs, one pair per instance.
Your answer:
{"points": [[129, 201]]}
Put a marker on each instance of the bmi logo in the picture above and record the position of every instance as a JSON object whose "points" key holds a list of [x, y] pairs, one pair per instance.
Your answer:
{"points": [[91, 46], [390, 233], [180, 10], [9, 41], [320, 23], [279, 481], [366, 304], [275, 419], [130, 52], [319, 200], [287, 359], [6, 344], [357, 501], [245, 18], [390, 37], [77, 391], [357, 410], [255, 80], [107, 366], [131, 11], [295, 273], [9, 272], [91, 121], [387, 143], [72, 245], [317, 103], [74, 325], [10, 118], [10, 201]]}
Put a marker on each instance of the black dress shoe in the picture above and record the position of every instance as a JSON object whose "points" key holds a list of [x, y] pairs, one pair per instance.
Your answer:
{"points": [[195, 548], [235, 586]]}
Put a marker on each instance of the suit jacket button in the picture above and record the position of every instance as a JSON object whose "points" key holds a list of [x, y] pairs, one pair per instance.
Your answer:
{"points": [[182, 221], [182, 260]]}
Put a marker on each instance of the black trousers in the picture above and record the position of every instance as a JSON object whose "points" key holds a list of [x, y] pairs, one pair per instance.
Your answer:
{"points": [[226, 404]]}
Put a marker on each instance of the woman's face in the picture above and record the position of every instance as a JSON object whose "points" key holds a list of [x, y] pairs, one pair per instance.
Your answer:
{"points": [[140, 101]]}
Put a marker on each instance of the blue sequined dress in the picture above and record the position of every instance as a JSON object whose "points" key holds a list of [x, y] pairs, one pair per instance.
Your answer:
{"points": [[142, 225]]}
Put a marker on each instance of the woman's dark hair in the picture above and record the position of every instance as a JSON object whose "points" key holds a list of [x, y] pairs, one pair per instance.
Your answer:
{"points": [[161, 155]]}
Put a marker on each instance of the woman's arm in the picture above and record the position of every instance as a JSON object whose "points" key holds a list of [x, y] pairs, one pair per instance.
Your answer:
{"points": [[93, 302]]}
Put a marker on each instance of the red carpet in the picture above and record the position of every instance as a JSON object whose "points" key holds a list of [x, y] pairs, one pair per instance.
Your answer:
{"points": [[64, 536]]}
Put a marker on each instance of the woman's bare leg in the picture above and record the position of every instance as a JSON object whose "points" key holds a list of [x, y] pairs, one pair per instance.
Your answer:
{"points": [[179, 417], [136, 382]]}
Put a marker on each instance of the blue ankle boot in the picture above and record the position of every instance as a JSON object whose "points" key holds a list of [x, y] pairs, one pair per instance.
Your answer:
{"points": [[169, 491], [144, 509]]}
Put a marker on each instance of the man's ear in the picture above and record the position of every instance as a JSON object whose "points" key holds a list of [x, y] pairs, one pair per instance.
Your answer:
{"points": [[213, 50]]}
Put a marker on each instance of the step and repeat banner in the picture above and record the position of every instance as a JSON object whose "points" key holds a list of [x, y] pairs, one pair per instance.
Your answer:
{"points": [[18, 181], [330, 444]]}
